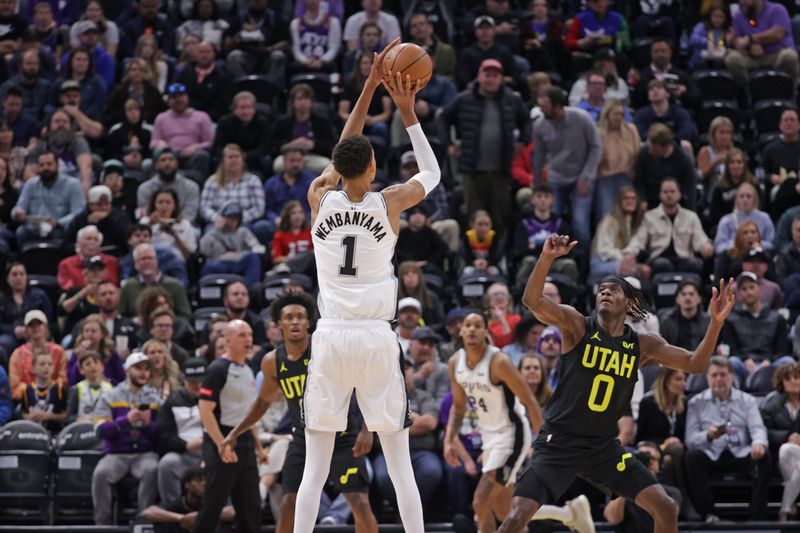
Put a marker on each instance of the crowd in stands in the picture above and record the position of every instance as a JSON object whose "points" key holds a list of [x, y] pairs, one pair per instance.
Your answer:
{"points": [[155, 151]]}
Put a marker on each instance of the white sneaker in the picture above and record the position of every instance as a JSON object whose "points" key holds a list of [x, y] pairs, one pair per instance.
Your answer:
{"points": [[581, 515], [328, 521]]}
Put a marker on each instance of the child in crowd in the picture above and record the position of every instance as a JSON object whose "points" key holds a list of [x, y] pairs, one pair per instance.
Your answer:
{"points": [[44, 401], [481, 247], [533, 230], [83, 396]]}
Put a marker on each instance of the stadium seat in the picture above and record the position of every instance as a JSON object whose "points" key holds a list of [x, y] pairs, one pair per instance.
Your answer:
{"points": [[712, 109], [210, 288], [202, 316], [274, 283], [472, 288], [42, 257], [262, 87], [641, 52], [696, 383], [715, 84], [760, 381], [25, 449], [77, 453], [566, 287], [767, 115], [49, 284], [770, 85], [649, 374], [320, 82], [665, 285]]}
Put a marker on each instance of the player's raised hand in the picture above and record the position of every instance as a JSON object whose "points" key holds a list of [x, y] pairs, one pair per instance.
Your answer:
{"points": [[377, 72], [722, 300], [558, 246], [402, 90]]}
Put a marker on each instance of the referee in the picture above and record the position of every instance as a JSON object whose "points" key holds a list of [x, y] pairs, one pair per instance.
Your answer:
{"points": [[228, 389]]}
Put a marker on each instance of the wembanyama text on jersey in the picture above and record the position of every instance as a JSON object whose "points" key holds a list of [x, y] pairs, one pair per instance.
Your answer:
{"points": [[353, 246], [595, 384]]}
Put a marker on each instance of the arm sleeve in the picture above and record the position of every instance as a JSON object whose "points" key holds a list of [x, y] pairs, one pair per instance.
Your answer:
{"points": [[297, 52], [775, 435], [539, 155], [77, 203], [589, 171], [758, 432], [695, 434], [429, 173]]}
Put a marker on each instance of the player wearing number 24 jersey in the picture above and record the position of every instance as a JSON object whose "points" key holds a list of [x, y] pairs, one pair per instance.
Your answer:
{"points": [[354, 348], [598, 370]]}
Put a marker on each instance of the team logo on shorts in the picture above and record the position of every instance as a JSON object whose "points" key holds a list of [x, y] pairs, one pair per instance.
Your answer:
{"points": [[621, 465], [549, 436]]}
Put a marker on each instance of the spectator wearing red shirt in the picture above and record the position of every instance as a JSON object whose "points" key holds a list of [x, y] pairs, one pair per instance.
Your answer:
{"points": [[293, 236], [87, 246], [502, 318]]}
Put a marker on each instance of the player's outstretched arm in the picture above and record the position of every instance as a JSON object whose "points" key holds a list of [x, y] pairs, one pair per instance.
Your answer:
{"points": [[504, 370], [456, 417], [657, 349], [269, 389], [406, 195], [564, 317]]}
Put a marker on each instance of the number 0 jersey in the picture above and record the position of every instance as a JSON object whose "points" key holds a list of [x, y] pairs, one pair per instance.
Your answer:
{"points": [[353, 247], [595, 384], [497, 409]]}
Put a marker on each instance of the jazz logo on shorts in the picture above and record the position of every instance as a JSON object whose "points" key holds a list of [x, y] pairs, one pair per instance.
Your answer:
{"points": [[621, 465], [344, 477]]}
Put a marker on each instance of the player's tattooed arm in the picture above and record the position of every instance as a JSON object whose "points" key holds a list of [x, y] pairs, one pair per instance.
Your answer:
{"points": [[564, 317], [656, 349]]}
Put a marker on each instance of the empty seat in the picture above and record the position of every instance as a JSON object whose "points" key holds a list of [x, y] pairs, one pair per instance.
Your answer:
{"points": [[718, 108], [665, 285], [473, 287], [770, 85], [760, 381], [49, 284], [78, 450], [274, 284], [767, 115], [210, 288], [319, 82], [25, 449], [566, 287], [201, 317], [641, 52], [42, 257], [715, 84], [262, 87], [695, 384]]}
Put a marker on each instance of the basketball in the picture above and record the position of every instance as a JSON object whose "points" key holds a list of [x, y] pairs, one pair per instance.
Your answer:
{"points": [[410, 60]]}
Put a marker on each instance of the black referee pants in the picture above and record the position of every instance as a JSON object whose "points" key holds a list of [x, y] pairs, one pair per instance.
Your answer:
{"points": [[239, 481]]}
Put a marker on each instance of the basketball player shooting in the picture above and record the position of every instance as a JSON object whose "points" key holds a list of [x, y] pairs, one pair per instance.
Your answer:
{"points": [[599, 364], [354, 233]]}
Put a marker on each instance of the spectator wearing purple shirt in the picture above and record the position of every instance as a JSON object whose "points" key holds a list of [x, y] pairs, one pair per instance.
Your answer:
{"points": [[762, 39], [186, 130], [65, 12]]}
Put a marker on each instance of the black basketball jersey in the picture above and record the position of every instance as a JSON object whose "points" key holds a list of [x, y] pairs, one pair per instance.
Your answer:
{"points": [[292, 379], [595, 383]]}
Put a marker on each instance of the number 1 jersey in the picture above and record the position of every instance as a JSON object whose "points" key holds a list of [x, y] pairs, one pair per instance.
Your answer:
{"points": [[595, 383], [353, 247]]}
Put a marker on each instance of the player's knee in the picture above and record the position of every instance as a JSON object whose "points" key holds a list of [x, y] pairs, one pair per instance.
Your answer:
{"points": [[481, 503], [664, 509]]}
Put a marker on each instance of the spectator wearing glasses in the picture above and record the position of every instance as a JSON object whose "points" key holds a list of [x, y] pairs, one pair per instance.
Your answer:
{"points": [[725, 432]]}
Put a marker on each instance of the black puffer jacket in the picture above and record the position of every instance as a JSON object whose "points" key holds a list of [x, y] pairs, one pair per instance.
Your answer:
{"points": [[466, 113]]}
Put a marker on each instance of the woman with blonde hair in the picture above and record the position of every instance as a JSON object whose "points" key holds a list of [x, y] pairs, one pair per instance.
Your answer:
{"points": [[613, 235], [745, 210], [147, 49], [723, 192], [165, 375], [412, 283], [711, 158], [662, 420], [93, 335], [621, 145], [234, 182]]}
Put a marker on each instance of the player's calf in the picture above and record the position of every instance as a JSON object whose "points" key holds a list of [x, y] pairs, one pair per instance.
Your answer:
{"points": [[522, 510], [661, 507]]}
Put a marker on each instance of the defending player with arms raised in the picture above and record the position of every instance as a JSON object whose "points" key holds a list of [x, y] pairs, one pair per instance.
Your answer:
{"points": [[354, 233], [599, 363], [486, 379], [284, 369]]}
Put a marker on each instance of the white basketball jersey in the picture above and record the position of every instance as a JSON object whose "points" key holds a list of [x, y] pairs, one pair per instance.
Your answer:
{"points": [[353, 247], [498, 410]]}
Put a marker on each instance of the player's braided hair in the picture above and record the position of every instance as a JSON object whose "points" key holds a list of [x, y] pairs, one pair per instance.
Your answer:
{"points": [[638, 306]]}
